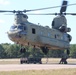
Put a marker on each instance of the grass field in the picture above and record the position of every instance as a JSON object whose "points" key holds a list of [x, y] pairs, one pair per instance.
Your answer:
{"points": [[41, 72], [50, 60], [9, 61]]}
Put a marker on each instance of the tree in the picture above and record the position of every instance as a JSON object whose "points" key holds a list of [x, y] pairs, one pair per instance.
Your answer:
{"points": [[13, 51], [55, 53], [73, 51], [2, 53]]}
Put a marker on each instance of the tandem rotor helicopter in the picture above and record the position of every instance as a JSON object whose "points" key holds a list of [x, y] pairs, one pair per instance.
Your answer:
{"points": [[25, 33]]}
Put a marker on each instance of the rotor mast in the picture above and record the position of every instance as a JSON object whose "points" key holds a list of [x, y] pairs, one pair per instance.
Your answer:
{"points": [[20, 18]]}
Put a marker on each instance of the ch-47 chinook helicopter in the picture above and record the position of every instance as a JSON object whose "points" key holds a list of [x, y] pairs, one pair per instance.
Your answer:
{"points": [[25, 33]]}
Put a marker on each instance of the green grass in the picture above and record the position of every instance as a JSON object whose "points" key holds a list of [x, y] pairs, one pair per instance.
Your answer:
{"points": [[41, 72], [9, 61]]}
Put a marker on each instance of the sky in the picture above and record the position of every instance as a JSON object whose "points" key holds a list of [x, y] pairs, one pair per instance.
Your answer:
{"points": [[7, 19]]}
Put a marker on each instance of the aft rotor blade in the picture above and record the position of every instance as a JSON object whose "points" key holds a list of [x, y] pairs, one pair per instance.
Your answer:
{"points": [[53, 14], [70, 14], [5, 11], [63, 7]]}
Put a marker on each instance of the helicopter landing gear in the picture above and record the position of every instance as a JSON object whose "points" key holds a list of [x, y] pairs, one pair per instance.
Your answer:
{"points": [[45, 51], [34, 47], [68, 52], [63, 61], [65, 57], [22, 51]]}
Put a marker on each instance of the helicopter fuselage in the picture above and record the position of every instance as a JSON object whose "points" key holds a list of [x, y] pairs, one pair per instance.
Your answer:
{"points": [[39, 36]]}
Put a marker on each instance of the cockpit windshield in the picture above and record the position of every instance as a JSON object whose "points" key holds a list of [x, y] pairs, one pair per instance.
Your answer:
{"points": [[13, 27], [18, 27], [22, 27]]}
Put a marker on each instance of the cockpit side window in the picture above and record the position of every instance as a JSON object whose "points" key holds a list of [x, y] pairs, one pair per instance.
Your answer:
{"points": [[13, 27], [20, 27]]}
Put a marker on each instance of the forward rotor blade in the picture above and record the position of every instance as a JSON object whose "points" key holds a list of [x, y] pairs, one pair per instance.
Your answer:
{"points": [[5, 11], [13, 11], [63, 7]]}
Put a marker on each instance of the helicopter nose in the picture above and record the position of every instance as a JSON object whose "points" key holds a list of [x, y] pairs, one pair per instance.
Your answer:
{"points": [[15, 34], [12, 34]]}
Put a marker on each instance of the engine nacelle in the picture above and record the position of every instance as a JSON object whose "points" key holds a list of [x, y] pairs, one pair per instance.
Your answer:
{"points": [[59, 21], [68, 29], [69, 37], [64, 29]]}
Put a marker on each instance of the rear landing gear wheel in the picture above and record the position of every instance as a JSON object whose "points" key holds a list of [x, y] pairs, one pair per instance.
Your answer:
{"points": [[65, 57], [45, 50]]}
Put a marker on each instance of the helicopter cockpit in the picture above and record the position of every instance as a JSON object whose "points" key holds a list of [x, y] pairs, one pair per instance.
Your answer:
{"points": [[16, 31], [19, 27], [13, 27]]}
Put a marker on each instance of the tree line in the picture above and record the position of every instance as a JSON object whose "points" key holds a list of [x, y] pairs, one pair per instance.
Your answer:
{"points": [[13, 51]]}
